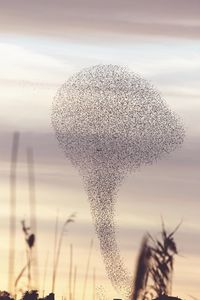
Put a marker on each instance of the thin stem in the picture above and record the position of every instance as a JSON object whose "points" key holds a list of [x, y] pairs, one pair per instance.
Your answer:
{"points": [[14, 156]]}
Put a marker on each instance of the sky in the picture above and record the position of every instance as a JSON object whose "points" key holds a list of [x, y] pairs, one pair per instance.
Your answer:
{"points": [[42, 43]]}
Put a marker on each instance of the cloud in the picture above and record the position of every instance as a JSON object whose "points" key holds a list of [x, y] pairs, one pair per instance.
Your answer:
{"points": [[79, 18]]}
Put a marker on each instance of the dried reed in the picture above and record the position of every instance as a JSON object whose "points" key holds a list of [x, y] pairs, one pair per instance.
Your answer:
{"points": [[57, 256]]}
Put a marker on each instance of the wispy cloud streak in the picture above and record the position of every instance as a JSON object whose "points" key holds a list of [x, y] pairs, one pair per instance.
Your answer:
{"points": [[178, 18]]}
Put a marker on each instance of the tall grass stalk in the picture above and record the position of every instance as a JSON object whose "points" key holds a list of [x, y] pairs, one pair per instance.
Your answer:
{"points": [[58, 250], [13, 167]]}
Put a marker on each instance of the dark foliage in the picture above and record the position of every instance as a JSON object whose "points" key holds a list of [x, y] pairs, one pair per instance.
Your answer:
{"points": [[142, 269], [5, 296], [165, 297], [28, 295], [51, 296]]}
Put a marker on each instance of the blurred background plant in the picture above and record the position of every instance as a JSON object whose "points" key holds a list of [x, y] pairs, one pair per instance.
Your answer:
{"points": [[153, 277]]}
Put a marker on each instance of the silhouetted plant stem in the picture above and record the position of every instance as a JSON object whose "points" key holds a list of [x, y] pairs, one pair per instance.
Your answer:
{"points": [[28, 255]]}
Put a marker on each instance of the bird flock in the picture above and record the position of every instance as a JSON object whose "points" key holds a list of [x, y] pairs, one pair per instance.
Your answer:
{"points": [[109, 121]]}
